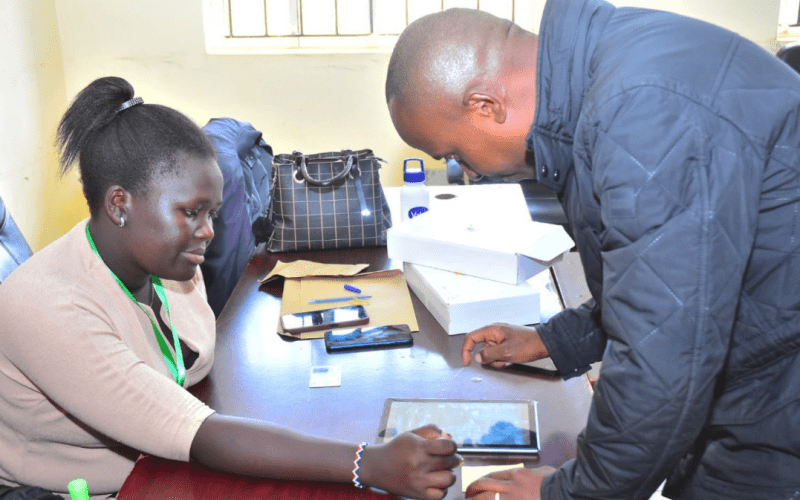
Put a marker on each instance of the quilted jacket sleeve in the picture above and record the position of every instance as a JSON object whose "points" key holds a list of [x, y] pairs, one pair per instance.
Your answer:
{"points": [[574, 339], [677, 189]]}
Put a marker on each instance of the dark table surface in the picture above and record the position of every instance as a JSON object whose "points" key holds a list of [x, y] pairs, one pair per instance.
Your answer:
{"points": [[259, 374]]}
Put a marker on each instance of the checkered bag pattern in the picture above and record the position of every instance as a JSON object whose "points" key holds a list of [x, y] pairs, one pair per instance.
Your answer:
{"points": [[326, 201]]}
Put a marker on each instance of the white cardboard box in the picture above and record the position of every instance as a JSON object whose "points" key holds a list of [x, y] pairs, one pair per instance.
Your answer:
{"points": [[462, 303], [509, 250], [476, 200]]}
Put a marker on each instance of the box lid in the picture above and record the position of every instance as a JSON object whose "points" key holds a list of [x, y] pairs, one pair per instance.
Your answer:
{"points": [[535, 240]]}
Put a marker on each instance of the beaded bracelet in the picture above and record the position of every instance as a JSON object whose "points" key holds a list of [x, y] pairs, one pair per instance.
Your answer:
{"points": [[357, 465]]}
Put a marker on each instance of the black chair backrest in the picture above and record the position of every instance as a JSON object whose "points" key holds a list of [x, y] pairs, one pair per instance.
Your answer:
{"points": [[790, 54], [13, 247]]}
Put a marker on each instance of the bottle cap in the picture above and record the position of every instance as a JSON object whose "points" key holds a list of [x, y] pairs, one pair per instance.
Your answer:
{"points": [[414, 176], [78, 489]]}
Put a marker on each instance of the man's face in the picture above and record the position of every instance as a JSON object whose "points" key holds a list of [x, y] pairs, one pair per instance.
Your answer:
{"points": [[481, 144], [171, 225]]}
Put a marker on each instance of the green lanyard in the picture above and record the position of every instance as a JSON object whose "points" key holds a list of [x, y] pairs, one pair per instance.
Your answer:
{"points": [[175, 367]]}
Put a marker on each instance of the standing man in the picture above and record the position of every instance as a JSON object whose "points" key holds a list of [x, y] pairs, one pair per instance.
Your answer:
{"points": [[674, 148]]}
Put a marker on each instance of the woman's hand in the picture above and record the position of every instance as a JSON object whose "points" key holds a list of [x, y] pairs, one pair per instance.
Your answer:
{"points": [[503, 344], [415, 464], [513, 484]]}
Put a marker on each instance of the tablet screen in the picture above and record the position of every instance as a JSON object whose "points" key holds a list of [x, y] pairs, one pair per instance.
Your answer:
{"points": [[477, 426]]}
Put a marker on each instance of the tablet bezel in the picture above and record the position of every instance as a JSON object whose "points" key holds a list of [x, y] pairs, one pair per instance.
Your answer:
{"points": [[506, 449]]}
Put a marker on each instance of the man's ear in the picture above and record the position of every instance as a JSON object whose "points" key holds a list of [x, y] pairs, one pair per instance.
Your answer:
{"points": [[487, 103], [116, 203]]}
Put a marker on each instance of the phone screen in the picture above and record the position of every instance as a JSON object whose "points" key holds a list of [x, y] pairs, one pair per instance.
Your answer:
{"points": [[326, 318]]}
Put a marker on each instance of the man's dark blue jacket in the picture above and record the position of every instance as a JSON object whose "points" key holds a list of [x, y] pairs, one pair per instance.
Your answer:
{"points": [[674, 147]]}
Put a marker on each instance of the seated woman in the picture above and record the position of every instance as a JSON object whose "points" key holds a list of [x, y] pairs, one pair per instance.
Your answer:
{"points": [[104, 328]]}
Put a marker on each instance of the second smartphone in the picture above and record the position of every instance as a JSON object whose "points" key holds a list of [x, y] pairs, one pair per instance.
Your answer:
{"points": [[324, 319]]}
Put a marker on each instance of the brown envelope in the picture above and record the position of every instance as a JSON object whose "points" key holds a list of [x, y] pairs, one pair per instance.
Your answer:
{"points": [[390, 302], [302, 268]]}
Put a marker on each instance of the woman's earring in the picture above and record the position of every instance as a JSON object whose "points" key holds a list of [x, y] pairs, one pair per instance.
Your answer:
{"points": [[121, 221]]}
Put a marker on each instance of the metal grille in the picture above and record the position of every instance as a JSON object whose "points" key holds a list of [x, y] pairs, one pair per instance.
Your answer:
{"points": [[338, 18]]}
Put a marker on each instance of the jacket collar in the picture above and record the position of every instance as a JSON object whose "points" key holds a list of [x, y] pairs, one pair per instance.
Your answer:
{"points": [[567, 38]]}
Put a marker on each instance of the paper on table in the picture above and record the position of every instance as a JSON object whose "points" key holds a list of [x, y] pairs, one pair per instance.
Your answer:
{"points": [[390, 302], [473, 472], [301, 268]]}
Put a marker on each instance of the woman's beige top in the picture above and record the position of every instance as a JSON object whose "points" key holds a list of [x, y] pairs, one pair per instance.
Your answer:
{"points": [[83, 384]]}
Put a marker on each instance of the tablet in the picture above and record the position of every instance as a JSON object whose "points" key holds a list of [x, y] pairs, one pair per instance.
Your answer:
{"points": [[477, 426]]}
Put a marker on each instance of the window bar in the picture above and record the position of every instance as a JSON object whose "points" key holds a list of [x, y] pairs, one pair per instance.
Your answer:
{"points": [[298, 5], [300, 31], [336, 17], [230, 19], [266, 20]]}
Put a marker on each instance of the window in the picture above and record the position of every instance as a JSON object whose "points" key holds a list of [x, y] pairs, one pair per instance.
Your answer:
{"points": [[308, 26], [789, 21]]}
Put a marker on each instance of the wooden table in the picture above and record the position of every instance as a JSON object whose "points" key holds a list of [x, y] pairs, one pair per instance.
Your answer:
{"points": [[259, 374]]}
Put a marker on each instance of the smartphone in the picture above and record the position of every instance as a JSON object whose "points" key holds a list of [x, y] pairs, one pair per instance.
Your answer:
{"points": [[382, 336], [335, 317]]}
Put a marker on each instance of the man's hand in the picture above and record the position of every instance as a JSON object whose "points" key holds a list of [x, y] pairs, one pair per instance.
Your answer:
{"points": [[513, 484], [503, 344]]}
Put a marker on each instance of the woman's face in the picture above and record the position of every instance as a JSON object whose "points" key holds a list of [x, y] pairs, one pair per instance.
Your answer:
{"points": [[170, 226]]}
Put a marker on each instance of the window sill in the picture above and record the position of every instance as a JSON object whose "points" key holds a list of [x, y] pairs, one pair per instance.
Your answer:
{"points": [[788, 34]]}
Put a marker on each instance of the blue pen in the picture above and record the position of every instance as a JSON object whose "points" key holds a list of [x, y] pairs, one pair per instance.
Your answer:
{"points": [[339, 299], [351, 288]]}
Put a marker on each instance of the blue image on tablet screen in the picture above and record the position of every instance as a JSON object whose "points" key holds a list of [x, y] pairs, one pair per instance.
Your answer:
{"points": [[501, 433]]}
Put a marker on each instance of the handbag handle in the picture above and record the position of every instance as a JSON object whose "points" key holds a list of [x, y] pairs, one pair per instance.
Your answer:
{"points": [[300, 159]]}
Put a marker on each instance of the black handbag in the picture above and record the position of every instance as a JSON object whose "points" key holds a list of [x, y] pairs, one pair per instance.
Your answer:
{"points": [[326, 201]]}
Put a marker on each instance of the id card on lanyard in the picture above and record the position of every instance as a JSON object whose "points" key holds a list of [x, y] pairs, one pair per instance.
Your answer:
{"points": [[174, 363]]}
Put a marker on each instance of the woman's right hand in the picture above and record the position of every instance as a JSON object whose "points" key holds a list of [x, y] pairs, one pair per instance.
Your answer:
{"points": [[503, 344], [415, 464]]}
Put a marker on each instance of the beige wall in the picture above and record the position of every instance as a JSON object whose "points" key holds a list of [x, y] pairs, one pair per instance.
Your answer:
{"points": [[312, 103], [31, 95]]}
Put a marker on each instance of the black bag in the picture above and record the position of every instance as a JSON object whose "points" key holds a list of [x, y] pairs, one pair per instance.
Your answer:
{"points": [[327, 200], [246, 162], [26, 493]]}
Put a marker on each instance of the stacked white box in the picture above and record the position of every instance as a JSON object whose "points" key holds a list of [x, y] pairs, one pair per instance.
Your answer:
{"points": [[462, 303], [469, 258], [509, 251]]}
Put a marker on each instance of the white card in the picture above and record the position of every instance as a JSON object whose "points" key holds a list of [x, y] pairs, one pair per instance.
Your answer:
{"points": [[471, 473], [325, 376]]}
